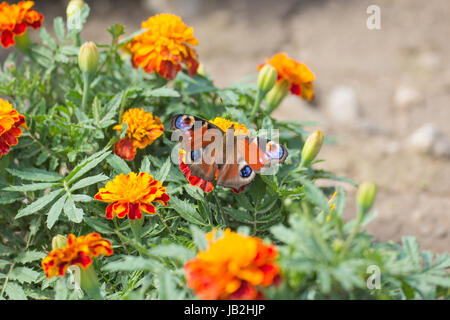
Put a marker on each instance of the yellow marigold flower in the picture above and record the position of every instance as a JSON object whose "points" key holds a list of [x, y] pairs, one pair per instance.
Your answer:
{"points": [[78, 251], [143, 129], [234, 266], [132, 193], [10, 122], [15, 19], [225, 124], [298, 75], [165, 46]]}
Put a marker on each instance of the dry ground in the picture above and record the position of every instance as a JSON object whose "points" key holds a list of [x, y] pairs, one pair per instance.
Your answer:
{"points": [[331, 37]]}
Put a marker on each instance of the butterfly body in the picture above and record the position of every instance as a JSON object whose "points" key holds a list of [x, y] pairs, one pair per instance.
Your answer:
{"points": [[230, 159]]}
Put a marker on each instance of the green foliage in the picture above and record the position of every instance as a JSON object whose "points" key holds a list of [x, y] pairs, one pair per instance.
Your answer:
{"points": [[49, 179]]}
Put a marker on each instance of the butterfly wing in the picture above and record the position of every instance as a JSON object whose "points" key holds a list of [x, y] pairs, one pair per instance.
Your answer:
{"points": [[252, 155], [197, 141]]}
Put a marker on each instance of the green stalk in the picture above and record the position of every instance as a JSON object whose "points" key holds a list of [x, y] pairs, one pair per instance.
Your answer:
{"points": [[355, 230], [89, 283], [86, 80], [258, 100], [136, 225]]}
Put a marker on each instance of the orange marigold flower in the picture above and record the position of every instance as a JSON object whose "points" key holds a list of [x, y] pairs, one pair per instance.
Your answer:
{"points": [[165, 46], [207, 186], [234, 266], [10, 122], [15, 19], [298, 75], [78, 251], [132, 193], [143, 129]]}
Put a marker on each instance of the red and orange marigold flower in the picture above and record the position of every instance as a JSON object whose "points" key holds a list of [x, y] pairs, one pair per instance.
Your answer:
{"points": [[131, 194], [143, 129], [165, 46], [78, 251], [15, 19], [298, 75], [207, 186], [233, 267], [11, 122]]}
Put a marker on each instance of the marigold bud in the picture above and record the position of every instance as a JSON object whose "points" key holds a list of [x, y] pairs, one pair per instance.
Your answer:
{"points": [[366, 195], [88, 57], [59, 241], [266, 78], [277, 94], [338, 245], [312, 147], [73, 8]]}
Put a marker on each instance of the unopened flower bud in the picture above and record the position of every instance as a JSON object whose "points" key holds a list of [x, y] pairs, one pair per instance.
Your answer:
{"points": [[88, 57], [312, 147], [277, 94], [266, 78], [366, 195], [59, 241], [10, 66], [337, 245], [73, 8]]}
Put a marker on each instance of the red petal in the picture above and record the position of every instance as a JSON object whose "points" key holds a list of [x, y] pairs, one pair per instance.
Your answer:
{"points": [[7, 38], [134, 212], [148, 208], [296, 89], [20, 28], [109, 211], [125, 149]]}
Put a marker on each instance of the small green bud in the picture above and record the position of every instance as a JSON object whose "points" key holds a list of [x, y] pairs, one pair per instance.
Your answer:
{"points": [[73, 8], [10, 66], [338, 245], [266, 78], [366, 195], [59, 241], [277, 94], [88, 57], [287, 202], [312, 147]]}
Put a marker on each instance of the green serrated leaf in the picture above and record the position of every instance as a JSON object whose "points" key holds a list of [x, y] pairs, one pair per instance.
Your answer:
{"points": [[164, 170], [24, 274], [58, 26], [119, 165], [34, 174], [14, 291], [89, 181], [186, 210], [30, 256], [55, 211], [162, 92], [38, 204], [29, 187], [72, 212]]}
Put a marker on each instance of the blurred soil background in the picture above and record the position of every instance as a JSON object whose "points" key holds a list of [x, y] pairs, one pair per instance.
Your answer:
{"points": [[382, 96]]}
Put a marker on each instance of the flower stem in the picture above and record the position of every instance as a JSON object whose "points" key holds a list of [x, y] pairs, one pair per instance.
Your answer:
{"points": [[258, 100], [355, 230], [136, 225], [85, 90], [89, 283]]}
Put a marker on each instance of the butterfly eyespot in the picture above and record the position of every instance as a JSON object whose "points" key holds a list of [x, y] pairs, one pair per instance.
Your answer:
{"points": [[183, 122], [246, 172], [275, 151], [195, 155]]}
